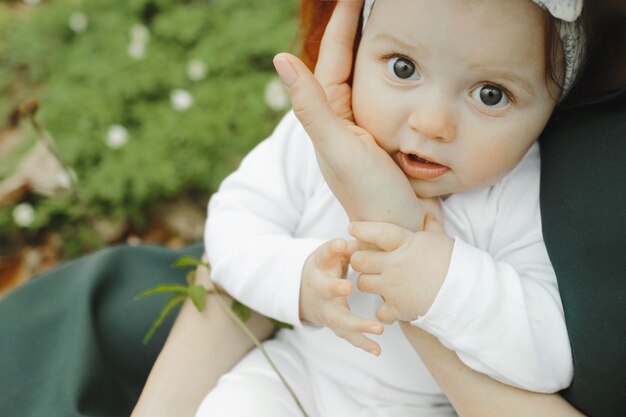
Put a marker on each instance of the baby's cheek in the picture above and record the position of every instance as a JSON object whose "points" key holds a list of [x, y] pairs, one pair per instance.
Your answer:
{"points": [[485, 168]]}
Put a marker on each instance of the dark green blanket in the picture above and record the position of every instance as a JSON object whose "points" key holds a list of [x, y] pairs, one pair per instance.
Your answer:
{"points": [[71, 339]]}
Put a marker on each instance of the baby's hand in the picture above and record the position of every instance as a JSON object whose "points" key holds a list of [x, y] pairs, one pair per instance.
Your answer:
{"points": [[408, 269], [323, 295]]}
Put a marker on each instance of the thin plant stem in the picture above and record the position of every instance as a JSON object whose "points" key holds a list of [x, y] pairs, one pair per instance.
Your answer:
{"points": [[258, 344]]}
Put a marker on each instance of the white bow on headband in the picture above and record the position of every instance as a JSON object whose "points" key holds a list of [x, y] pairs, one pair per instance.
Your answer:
{"points": [[570, 31]]}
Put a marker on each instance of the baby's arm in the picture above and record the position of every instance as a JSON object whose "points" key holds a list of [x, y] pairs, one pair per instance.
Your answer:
{"points": [[253, 219], [323, 295], [498, 305]]}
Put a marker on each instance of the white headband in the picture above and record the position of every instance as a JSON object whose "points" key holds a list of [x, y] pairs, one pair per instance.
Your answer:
{"points": [[570, 31]]}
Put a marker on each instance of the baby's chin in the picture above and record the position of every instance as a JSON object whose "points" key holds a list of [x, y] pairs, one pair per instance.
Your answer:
{"points": [[427, 192]]}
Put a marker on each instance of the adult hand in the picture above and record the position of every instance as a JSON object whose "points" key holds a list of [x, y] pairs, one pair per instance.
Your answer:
{"points": [[363, 177]]}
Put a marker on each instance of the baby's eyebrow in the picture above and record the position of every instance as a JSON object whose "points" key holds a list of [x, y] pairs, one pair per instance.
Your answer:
{"points": [[411, 47]]}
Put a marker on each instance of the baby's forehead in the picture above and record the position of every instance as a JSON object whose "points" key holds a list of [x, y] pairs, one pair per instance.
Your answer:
{"points": [[493, 29], [500, 17]]}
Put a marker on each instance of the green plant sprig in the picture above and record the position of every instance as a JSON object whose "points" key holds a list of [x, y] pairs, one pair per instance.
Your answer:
{"points": [[198, 294]]}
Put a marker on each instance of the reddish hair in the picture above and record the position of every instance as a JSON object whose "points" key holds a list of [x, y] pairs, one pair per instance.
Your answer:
{"points": [[314, 17]]}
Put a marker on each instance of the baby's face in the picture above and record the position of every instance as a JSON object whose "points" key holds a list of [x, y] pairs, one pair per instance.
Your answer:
{"points": [[454, 90]]}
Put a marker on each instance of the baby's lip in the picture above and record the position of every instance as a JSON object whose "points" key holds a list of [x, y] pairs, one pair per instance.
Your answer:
{"points": [[419, 166]]}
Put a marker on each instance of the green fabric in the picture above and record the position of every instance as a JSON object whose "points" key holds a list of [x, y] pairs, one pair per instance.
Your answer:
{"points": [[583, 206], [71, 339]]}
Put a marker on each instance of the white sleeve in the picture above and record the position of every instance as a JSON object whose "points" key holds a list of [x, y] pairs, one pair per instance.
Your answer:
{"points": [[500, 308], [249, 235]]}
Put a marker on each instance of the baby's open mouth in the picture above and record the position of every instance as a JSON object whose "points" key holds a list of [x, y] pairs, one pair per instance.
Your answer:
{"points": [[418, 159], [420, 168]]}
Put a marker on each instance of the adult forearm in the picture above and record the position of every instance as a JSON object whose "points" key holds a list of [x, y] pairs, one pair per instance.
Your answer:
{"points": [[476, 395], [200, 348]]}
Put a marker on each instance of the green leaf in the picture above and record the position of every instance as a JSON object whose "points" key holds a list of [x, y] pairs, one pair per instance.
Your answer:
{"points": [[188, 262], [163, 288], [242, 311], [191, 277], [169, 306], [281, 325], [198, 295]]}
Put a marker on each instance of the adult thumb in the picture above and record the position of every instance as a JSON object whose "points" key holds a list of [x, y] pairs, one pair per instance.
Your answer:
{"points": [[308, 98]]}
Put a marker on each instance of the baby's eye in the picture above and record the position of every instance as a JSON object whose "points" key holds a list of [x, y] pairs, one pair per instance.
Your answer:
{"points": [[491, 95], [402, 68]]}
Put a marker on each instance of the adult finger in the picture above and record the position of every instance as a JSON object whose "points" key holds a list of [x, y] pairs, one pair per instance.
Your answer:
{"points": [[386, 236], [334, 63], [368, 261], [308, 100], [330, 253]]}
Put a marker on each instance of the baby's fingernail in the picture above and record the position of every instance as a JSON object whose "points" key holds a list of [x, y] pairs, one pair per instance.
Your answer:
{"points": [[374, 352], [285, 71], [375, 328]]}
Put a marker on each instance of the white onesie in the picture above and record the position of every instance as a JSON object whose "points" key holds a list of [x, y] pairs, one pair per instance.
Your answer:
{"points": [[498, 309]]}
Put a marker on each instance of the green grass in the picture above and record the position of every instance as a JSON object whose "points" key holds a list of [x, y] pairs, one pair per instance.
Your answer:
{"points": [[86, 82]]}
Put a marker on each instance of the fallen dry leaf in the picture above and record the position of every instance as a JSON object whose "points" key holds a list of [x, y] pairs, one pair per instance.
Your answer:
{"points": [[40, 172]]}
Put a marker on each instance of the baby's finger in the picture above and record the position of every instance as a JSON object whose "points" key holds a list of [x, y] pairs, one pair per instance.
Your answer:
{"points": [[370, 283], [353, 246], [334, 63], [329, 288], [386, 236], [386, 314], [368, 261], [330, 253], [363, 342], [342, 319]]}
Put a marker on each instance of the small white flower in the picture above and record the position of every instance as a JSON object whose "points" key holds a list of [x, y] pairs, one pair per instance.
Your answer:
{"points": [[64, 180], [276, 95], [23, 215], [31, 2], [139, 33], [117, 136], [181, 99], [137, 50], [196, 70], [78, 22]]}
